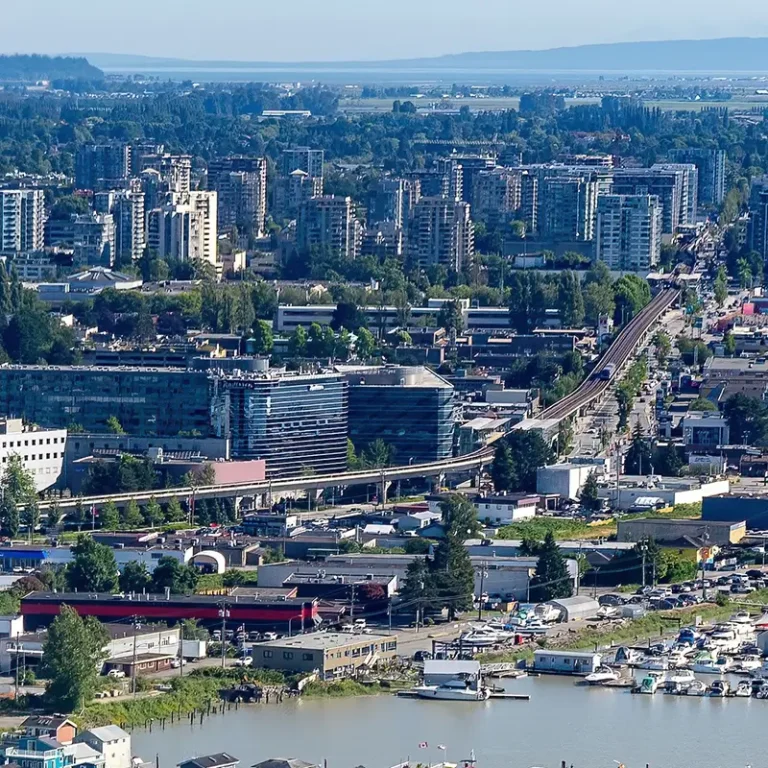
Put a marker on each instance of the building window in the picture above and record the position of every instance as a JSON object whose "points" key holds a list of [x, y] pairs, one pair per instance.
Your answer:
{"points": [[308, 657], [287, 654], [268, 654]]}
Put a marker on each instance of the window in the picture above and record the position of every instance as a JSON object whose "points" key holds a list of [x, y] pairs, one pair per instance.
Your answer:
{"points": [[308, 657], [268, 654], [287, 654]]}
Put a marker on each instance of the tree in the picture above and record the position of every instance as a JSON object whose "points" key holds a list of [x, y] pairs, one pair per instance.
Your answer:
{"points": [[93, 567], [73, 652], [353, 462], [459, 518], [135, 577], [638, 459], [348, 315], [377, 455], [297, 344], [191, 630], [721, 286], [701, 404], [452, 577], [263, 340], [53, 517], [503, 470], [30, 517], [417, 590], [747, 419], [729, 344], [570, 300], [663, 346], [552, 579], [171, 574], [667, 460], [114, 427], [18, 482], [527, 452], [366, 344], [130, 516], [109, 516], [174, 512], [588, 496], [451, 317], [153, 513]]}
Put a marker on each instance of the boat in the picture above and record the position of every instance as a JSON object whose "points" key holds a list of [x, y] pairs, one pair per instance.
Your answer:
{"points": [[650, 683], [479, 638], [679, 677], [608, 611], [658, 663], [453, 690], [719, 689], [678, 657], [688, 636], [708, 663], [743, 689], [628, 656], [749, 662], [696, 688], [742, 617], [602, 675]]}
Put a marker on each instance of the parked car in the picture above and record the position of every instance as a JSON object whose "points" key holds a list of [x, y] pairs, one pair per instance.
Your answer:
{"points": [[245, 661], [117, 674]]}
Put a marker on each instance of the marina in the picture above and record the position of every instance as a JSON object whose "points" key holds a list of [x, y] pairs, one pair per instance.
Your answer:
{"points": [[556, 724]]}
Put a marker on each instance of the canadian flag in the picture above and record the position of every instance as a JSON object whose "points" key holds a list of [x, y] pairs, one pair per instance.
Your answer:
{"points": [[423, 745]]}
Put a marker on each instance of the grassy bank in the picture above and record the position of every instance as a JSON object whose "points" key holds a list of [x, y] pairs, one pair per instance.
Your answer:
{"points": [[564, 528]]}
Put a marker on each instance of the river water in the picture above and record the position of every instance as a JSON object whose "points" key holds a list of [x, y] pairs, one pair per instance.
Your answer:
{"points": [[586, 727]]}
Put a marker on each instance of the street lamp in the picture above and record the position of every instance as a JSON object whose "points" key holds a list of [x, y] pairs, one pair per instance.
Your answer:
{"points": [[224, 614], [483, 577]]}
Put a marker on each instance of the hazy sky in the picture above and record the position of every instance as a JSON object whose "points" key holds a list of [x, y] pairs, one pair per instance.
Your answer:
{"points": [[293, 30]]}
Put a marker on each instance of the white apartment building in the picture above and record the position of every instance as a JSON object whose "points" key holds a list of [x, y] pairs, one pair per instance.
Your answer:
{"points": [[628, 232], [185, 227], [41, 450], [22, 220], [441, 232], [496, 194], [94, 238], [329, 222]]}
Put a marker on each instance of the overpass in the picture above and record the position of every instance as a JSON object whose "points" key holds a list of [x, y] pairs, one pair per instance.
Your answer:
{"points": [[618, 354]]}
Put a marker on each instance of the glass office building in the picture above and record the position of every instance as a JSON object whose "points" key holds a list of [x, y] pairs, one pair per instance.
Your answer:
{"points": [[146, 401], [412, 409], [297, 423]]}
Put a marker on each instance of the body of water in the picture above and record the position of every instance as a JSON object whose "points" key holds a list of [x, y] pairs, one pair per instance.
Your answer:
{"points": [[586, 727]]}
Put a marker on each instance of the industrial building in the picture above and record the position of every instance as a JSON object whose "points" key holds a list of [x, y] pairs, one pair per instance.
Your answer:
{"points": [[753, 510], [40, 608], [332, 654], [683, 532]]}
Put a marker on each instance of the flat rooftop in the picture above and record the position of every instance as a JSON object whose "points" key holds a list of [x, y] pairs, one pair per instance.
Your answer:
{"points": [[139, 599], [323, 641], [686, 522]]}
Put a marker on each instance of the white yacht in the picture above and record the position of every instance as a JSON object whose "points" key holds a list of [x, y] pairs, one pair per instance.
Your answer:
{"points": [[453, 690], [602, 675], [657, 663], [480, 638], [743, 689], [696, 688], [749, 662], [710, 664], [680, 677], [719, 689]]}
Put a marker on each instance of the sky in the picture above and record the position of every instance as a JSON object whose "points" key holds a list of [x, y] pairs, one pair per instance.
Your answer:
{"points": [[328, 30]]}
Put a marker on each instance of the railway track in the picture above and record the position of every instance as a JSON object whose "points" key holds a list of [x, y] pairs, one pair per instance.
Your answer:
{"points": [[618, 354]]}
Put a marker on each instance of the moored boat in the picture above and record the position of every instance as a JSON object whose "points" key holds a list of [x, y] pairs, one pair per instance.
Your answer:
{"points": [[602, 675]]}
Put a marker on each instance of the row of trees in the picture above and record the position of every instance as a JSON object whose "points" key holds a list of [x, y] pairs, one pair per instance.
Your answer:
{"points": [[516, 460], [532, 293]]}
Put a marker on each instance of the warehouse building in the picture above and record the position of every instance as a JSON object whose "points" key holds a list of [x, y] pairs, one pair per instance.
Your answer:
{"points": [[670, 531], [753, 510], [332, 654]]}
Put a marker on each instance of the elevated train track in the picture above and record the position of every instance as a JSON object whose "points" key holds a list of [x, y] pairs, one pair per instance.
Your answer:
{"points": [[617, 356]]}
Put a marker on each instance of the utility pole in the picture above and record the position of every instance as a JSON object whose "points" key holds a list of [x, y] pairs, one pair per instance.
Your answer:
{"points": [[181, 650], [224, 613], [352, 602], [135, 627], [483, 574], [644, 550]]}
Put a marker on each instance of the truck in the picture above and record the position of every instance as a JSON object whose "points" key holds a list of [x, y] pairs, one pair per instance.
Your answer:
{"points": [[194, 649]]}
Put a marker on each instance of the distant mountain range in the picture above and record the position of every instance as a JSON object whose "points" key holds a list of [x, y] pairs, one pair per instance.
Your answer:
{"points": [[735, 54]]}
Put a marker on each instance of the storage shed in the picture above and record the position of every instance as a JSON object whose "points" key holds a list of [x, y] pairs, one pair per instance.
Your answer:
{"points": [[580, 607], [566, 662]]}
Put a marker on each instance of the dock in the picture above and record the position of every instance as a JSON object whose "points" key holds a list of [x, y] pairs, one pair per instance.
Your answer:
{"points": [[511, 696], [503, 670]]}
